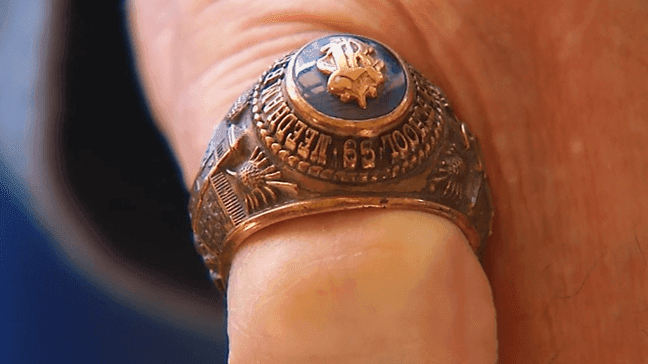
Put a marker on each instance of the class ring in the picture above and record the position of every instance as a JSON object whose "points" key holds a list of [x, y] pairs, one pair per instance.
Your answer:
{"points": [[342, 123]]}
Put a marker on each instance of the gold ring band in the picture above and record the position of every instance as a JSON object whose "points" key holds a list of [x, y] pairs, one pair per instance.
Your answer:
{"points": [[343, 123]]}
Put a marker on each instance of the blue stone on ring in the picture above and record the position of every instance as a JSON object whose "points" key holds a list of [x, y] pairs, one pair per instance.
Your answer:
{"points": [[385, 80]]}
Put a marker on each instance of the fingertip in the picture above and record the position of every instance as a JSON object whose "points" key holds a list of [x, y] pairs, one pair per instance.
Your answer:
{"points": [[360, 286]]}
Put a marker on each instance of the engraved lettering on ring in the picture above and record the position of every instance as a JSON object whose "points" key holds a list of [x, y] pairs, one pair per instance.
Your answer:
{"points": [[350, 155]]}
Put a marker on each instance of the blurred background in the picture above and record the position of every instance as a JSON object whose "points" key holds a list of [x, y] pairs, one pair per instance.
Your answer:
{"points": [[96, 256]]}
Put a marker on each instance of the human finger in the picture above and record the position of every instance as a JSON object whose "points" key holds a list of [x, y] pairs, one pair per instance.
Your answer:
{"points": [[393, 286]]}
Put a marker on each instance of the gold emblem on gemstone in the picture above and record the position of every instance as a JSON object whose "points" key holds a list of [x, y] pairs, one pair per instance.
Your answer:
{"points": [[354, 72]]}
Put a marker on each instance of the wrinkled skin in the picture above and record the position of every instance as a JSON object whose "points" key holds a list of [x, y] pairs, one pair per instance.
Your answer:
{"points": [[556, 92]]}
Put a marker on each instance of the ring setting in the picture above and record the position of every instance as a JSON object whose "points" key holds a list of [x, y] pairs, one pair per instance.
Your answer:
{"points": [[342, 123]]}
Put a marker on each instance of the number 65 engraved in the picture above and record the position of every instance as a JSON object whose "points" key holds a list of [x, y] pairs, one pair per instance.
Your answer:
{"points": [[350, 154]]}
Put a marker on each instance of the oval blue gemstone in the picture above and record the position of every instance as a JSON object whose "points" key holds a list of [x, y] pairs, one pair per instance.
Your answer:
{"points": [[311, 83]]}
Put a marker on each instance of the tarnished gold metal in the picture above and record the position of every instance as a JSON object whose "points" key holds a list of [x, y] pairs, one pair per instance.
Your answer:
{"points": [[276, 156]]}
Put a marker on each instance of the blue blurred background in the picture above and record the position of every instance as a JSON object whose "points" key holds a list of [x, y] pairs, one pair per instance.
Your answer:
{"points": [[117, 172], [51, 315]]}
